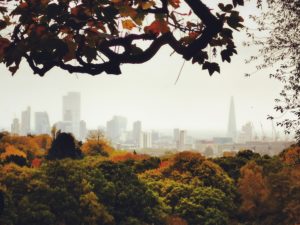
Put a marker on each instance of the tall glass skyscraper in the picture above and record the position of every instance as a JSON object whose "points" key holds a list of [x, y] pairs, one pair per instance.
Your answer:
{"points": [[71, 112]]}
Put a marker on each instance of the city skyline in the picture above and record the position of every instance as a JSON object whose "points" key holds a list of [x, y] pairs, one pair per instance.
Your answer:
{"points": [[116, 127]]}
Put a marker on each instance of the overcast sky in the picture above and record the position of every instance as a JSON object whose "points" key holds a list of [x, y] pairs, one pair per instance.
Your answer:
{"points": [[147, 92]]}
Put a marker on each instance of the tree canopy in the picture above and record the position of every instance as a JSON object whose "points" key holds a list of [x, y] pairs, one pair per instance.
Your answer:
{"points": [[93, 37]]}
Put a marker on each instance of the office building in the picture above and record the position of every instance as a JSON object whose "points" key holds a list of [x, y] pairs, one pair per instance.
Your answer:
{"points": [[136, 132], [15, 127], [71, 113], [42, 124], [115, 128], [83, 130], [25, 121]]}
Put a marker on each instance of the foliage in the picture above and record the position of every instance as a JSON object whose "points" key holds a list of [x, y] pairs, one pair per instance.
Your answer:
{"points": [[64, 146], [195, 189], [19, 149], [69, 191], [94, 147], [184, 188], [279, 49], [98, 36], [232, 165]]}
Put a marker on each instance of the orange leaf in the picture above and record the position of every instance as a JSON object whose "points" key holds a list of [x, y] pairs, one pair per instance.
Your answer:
{"points": [[127, 11], [193, 35], [158, 26], [128, 24], [147, 5], [174, 3], [75, 11]]}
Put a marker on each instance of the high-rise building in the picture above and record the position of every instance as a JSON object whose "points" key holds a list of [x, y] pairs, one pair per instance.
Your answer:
{"points": [[182, 140], [176, 136], [115, 128], [136, 132], [71, 112], [42, 124], [25, 121], [231, 130], [83, 130], [155, 136], [15, 127], [146, 140]]}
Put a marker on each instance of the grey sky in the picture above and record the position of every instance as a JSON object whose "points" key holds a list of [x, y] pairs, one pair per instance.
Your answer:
{"points": [[147, 93]]}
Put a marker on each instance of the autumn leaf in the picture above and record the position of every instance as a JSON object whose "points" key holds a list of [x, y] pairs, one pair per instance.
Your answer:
{"points": [[128, 24], [75, 11], [174, 3], [4, 43], [40, 30], [127, 11], [36, 163], [147, 5], [194, 35], [157, 27], [71, 51], [23, 5]]}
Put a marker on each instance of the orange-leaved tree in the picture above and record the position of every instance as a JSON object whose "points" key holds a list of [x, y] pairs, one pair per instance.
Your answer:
{"points": [[96, 36]]}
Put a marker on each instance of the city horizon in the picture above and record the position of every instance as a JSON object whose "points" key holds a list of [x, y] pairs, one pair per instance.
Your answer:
{"points": [[200, 133]]}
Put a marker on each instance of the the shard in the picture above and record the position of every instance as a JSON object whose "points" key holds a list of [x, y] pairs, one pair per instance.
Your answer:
{"points": [[231, 129]]}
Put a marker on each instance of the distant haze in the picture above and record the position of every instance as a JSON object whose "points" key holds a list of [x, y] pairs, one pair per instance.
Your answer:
{"points": [[147, 92]]}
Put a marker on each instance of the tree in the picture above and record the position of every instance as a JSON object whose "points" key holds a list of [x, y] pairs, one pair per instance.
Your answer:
{"points": [[253, 189], [101, 35], [1, 202], [280, 49], [96, 144], [64, 146]]}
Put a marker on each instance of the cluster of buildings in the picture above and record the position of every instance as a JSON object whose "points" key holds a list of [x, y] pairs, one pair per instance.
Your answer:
{"points": [[71, 121], [23, 126], [150, 142]]}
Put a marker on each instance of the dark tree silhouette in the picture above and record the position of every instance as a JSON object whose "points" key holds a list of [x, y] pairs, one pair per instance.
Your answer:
{"points": [[19, 160], [98, 36], [1, 202], [64, 146]]}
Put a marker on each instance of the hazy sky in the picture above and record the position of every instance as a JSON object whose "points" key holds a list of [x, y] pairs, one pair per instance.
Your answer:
{"points": [[147, 92]]}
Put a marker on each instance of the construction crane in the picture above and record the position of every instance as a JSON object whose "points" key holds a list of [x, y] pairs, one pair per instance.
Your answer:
{"points": [[263, 135], [275, 134]]}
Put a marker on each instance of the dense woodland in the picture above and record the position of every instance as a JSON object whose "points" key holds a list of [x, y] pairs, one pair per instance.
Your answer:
{"points": [[56, 180]]}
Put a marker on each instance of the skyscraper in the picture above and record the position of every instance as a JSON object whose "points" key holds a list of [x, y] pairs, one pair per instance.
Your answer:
{"points": [[136, 132], [15, 127], [176, 136], [42, 124], [116, 127], [25, 121], [231, 130], [71, 112], [145, 140], [83, 130], [182, 140]]}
